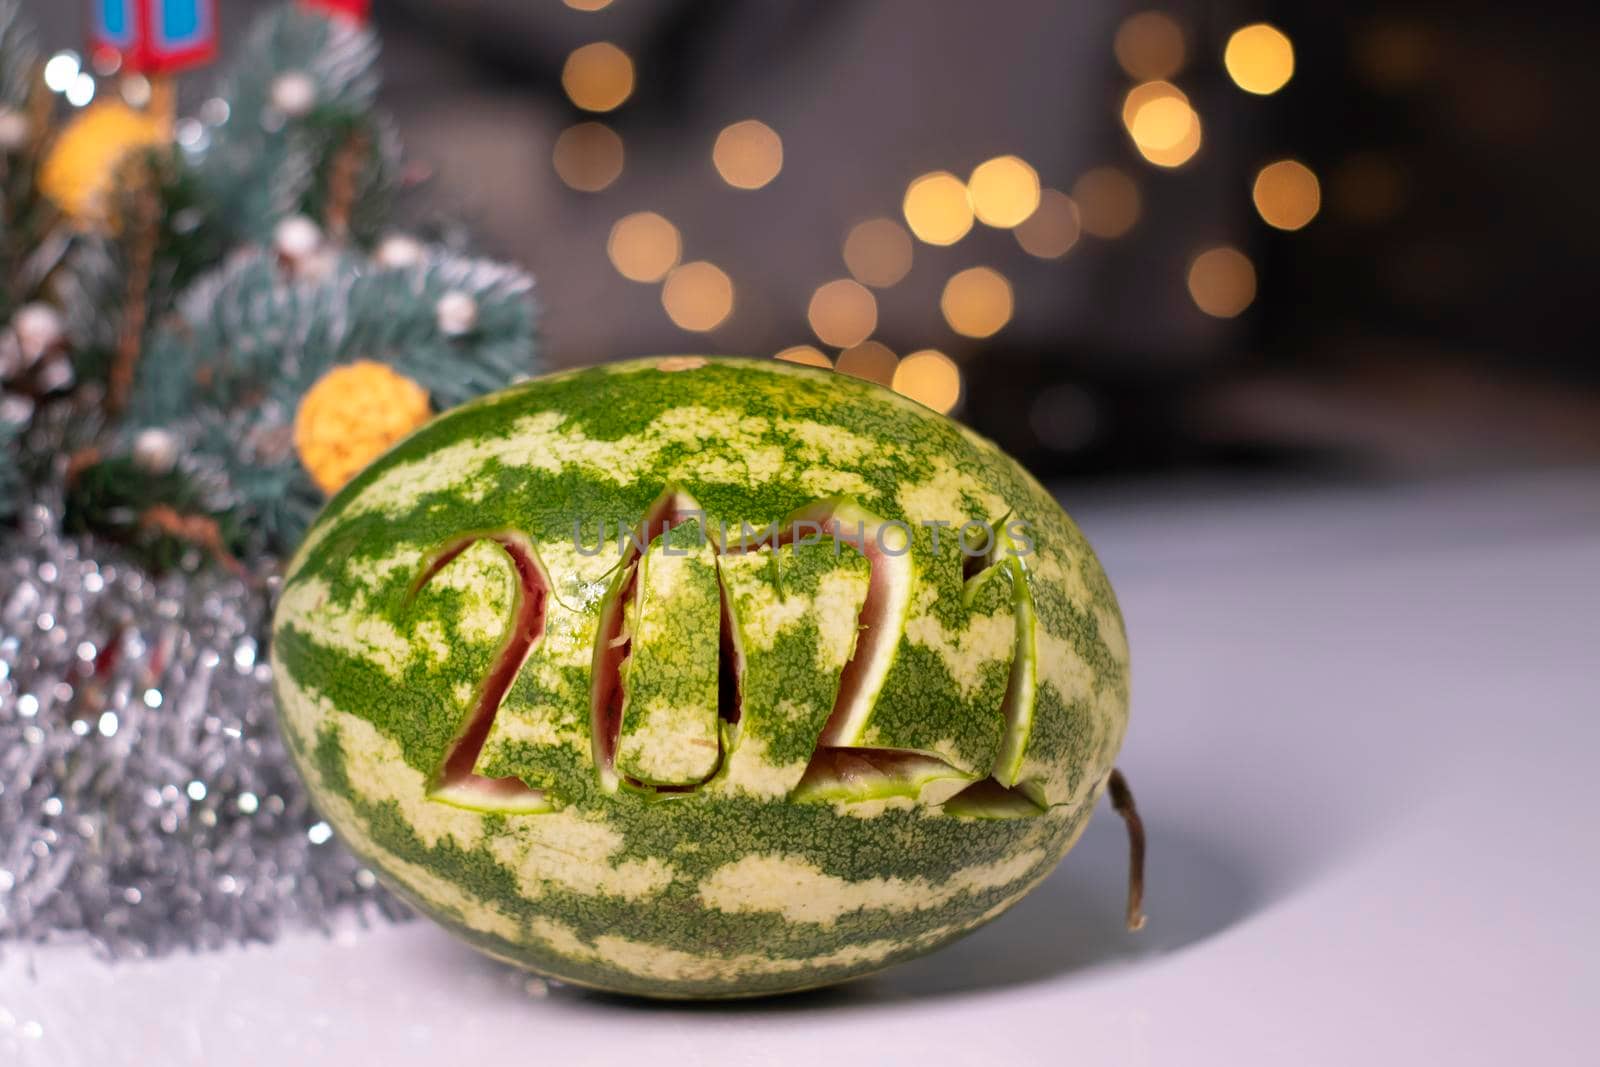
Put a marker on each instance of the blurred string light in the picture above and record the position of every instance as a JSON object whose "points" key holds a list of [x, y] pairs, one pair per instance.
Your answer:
{"points": [[1166, 130], [1259, 58], [1148, 93], [191, 135], [1287, 194], [1003, 191], [806, 355], [877, 252], [938, 208], [871, 360], [1108, 202], [136, 90], [63, 73], [748, 154], [1052, 230], [842, 313], [588, 157], [1164, 127], [598, 76], [1149, 46], [644, 246], [929, 377], [976, 302], [1222, 281], [1182, 150], [62, 70], [105, 61], [81, 91], [697, 296]]}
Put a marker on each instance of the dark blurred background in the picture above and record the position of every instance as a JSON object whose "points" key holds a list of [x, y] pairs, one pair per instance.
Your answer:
{"points": [[1354, 240]]}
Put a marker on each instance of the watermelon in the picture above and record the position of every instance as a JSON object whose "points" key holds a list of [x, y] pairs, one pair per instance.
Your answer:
{"points": [[701, 677]]}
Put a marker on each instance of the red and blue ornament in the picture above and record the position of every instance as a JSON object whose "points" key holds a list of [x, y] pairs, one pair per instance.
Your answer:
{"points": [[153, 36]]}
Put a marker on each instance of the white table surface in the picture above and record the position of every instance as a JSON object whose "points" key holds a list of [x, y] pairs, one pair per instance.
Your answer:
{"points": [[1366, 739]]}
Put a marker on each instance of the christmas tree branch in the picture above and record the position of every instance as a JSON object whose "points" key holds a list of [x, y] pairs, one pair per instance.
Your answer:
{"points": [[199, 530], [144, 233], [343, 175]]}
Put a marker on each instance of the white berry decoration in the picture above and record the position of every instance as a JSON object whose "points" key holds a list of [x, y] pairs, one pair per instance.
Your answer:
{"points": [[14, 129], [39, 329], [294, 93], [297, 239], [155, 451], [398, 251], [456, 313]]}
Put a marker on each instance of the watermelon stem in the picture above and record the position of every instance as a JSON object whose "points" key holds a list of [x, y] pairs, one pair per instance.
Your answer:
{"points": [[1122, 803]]}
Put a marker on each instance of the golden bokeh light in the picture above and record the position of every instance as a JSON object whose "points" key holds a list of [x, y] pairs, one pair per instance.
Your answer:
{"points": [[1259, 58], [806, 356], [698, 296], [1148, 93], [929, 377], [1164, 127], [644, 246], [938, 208], [869, 360], [748, 154], [598, 76], [842, 313], [588, 157], [1051, 231], [976, 302], [1004, 191], [1222, 281], [587, 5], [1162, 123], [1108, 202], [1287, 194], [1181, 151], [878, 252], [1150, 45]]}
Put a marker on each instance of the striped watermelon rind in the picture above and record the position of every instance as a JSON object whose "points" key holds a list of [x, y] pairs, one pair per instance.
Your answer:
{"points": [[767, 875]]}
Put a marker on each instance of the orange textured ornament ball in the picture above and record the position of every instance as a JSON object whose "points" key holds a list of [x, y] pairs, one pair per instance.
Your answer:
{"points": [[351, 416]]}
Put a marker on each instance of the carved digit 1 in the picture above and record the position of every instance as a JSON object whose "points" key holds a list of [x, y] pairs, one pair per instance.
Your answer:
{"points": [[455, 782]]}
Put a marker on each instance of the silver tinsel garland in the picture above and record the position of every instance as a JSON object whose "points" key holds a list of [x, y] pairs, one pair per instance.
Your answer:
{"points": [[146, 801]]}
